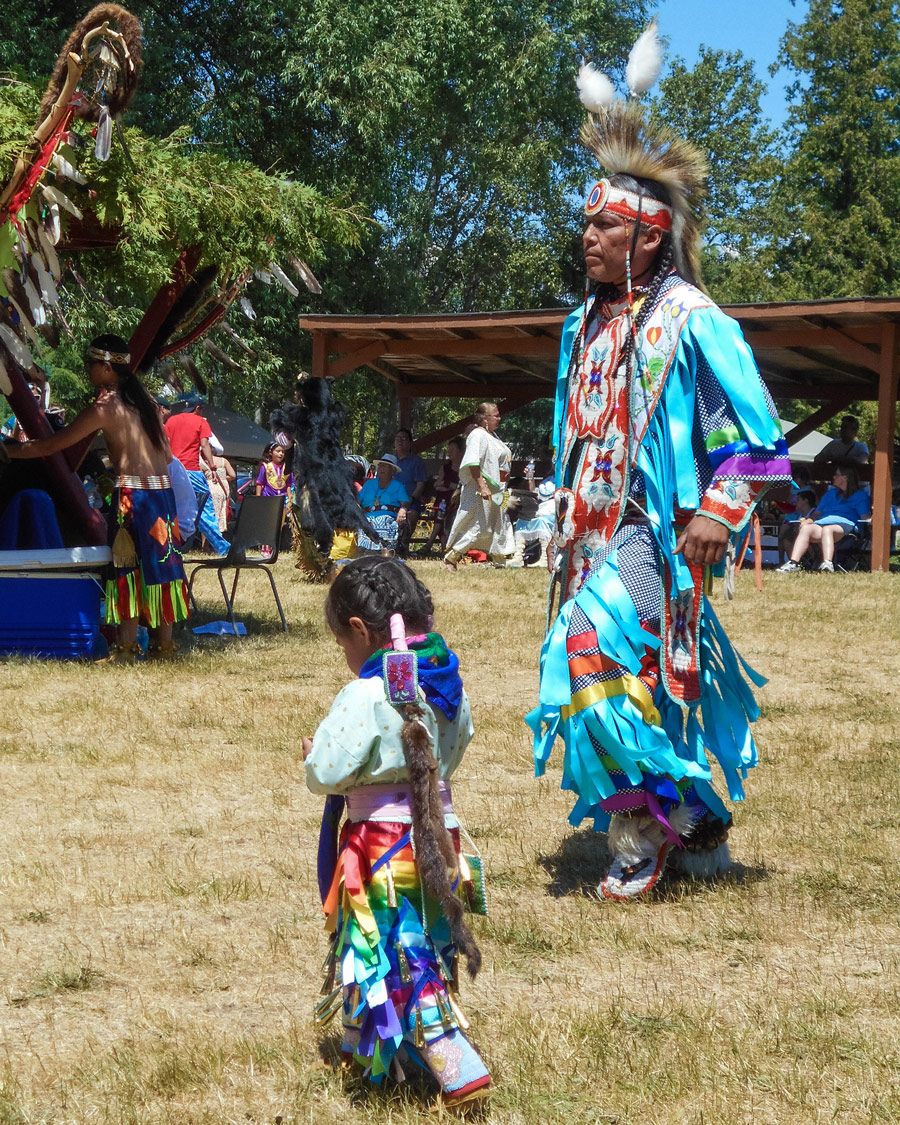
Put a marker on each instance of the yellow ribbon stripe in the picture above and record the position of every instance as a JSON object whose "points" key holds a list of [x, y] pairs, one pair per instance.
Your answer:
{"points": [[628, 685]]}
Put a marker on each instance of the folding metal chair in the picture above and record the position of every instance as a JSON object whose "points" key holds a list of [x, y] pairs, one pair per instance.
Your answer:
{"points": [[854, 551], [258, 524]]}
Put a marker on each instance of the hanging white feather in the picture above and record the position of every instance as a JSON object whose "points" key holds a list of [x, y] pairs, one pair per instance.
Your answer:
{"points": [[241, 343], [49, 252], [249, 310], [54, 195], [67, 169], [283, 280], [49, 294], [594, 88], [103, 140], [5, 381], [265, 278], [644, 62], [306, 275], [35, 305], [16, 347], [52, 224]]}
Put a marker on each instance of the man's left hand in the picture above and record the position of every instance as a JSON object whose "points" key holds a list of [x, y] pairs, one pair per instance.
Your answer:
{"points": [[703, 541]]}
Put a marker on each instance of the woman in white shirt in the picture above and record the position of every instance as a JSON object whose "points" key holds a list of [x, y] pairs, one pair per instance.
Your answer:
{"points": [[481, 522]]}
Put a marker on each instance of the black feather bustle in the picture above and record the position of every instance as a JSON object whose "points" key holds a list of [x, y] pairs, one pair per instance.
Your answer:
{"points": [[323, 480]]}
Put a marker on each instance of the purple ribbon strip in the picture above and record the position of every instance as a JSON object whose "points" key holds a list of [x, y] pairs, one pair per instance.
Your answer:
{"points": [[627, 802]]}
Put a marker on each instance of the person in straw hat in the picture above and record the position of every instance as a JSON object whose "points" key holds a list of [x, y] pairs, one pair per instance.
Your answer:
{"points": [[384, 500], [665, 439]]}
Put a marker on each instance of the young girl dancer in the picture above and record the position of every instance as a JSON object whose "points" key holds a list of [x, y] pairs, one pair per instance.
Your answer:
{"points": [[387, 749], [274, 479]]}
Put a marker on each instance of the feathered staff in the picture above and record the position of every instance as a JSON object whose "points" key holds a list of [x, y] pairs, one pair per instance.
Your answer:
{"points": [[93, 80]]}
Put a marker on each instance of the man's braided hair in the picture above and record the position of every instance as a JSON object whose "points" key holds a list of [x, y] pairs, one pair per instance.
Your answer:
{"points": [[665, 260], [374, 588]]}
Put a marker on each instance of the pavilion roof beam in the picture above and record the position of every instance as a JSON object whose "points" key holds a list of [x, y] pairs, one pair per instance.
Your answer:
{"points": [[528, 367], [524, 397], [816, 337], [845, 370], [458, 369]]}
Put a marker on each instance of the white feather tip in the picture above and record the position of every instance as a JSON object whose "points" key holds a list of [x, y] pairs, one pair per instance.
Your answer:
{"points": [[644, 62], [594, 88]]}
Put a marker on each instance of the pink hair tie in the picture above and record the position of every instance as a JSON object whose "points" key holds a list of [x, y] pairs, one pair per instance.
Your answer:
{"points": [[398, 633]]}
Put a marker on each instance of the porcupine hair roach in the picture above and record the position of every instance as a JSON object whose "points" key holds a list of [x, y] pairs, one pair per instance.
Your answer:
{"points": [[374, 588]]}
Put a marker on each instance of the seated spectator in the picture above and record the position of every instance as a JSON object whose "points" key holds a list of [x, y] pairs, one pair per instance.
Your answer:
{"points": [[446, 495], [805, 502], [413, 475], [838, 514], [844, 450], [384, 500]]}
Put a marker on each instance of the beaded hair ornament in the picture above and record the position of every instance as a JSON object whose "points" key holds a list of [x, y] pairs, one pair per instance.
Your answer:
{"points": [[401, 673], [605, 196]]}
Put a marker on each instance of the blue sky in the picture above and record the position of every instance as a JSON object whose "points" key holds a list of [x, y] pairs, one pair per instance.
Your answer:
{"points": [[754, 27]]}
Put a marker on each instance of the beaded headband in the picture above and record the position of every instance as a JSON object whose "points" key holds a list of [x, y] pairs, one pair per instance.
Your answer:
{"points": [[605, 196], [102, 356]]}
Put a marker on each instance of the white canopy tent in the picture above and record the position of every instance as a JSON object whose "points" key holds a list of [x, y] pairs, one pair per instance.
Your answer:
{"points": [[807, 447]]}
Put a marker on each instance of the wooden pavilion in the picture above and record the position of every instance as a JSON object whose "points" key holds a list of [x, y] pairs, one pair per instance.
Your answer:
{"points": [[834, 352]]}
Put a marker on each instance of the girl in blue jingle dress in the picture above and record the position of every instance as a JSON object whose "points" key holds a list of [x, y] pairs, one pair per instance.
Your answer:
{"points": [[386, 750]]}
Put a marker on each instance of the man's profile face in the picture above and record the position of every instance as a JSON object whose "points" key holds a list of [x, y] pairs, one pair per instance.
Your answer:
{"points": [[606, 241], [849, 429]]}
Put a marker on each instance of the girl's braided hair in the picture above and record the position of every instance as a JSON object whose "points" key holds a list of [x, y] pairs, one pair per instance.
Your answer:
{"points": [[374, 588]]}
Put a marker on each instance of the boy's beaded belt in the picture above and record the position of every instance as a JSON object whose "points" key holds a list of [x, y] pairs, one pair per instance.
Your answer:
{"points": [[392, 803], [155, 483]]}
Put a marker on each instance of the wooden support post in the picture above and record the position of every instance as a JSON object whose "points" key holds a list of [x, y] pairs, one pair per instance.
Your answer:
{"points": [[884, 448], [404, 410], [320, 354]]}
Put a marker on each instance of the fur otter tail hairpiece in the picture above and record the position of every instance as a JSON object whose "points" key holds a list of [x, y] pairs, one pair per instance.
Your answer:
{"points": [[625, 139], [435, 853]]}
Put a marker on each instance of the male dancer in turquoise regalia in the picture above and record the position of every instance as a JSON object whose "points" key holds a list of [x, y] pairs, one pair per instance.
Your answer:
{"points": [[665, 440]]}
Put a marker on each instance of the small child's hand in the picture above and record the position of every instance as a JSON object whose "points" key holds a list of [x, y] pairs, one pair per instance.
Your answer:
{"points": [[306, 747]]}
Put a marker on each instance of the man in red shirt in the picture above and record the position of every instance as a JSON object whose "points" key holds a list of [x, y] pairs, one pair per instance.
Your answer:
{"points": [[189, 435]]}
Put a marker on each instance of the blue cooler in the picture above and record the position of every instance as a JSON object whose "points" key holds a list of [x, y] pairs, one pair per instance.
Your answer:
{"points": [[50, 602]]}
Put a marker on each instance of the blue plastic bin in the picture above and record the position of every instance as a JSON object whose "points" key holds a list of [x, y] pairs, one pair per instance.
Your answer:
{"points": [[54, 614]]}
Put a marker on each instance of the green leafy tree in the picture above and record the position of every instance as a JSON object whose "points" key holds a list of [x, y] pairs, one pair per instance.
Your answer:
{"points": [[451, 123], [717, 105], [839, 192]]}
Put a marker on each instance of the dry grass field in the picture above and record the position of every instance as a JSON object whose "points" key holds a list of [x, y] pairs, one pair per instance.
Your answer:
{"points": [[161, 944]]}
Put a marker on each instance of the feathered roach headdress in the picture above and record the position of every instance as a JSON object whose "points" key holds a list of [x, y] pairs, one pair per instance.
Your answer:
{"points": [[625, 139]]}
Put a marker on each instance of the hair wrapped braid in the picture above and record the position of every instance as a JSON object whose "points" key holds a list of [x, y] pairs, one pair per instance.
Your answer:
{"points": [[664, 264]]}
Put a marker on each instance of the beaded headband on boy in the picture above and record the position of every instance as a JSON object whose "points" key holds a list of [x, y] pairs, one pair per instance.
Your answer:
{"points": [[605, 196], [99, 355]]}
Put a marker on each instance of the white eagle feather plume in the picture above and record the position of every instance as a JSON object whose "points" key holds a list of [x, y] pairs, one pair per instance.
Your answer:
{"points": [[594, 88], [644, 62]]}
